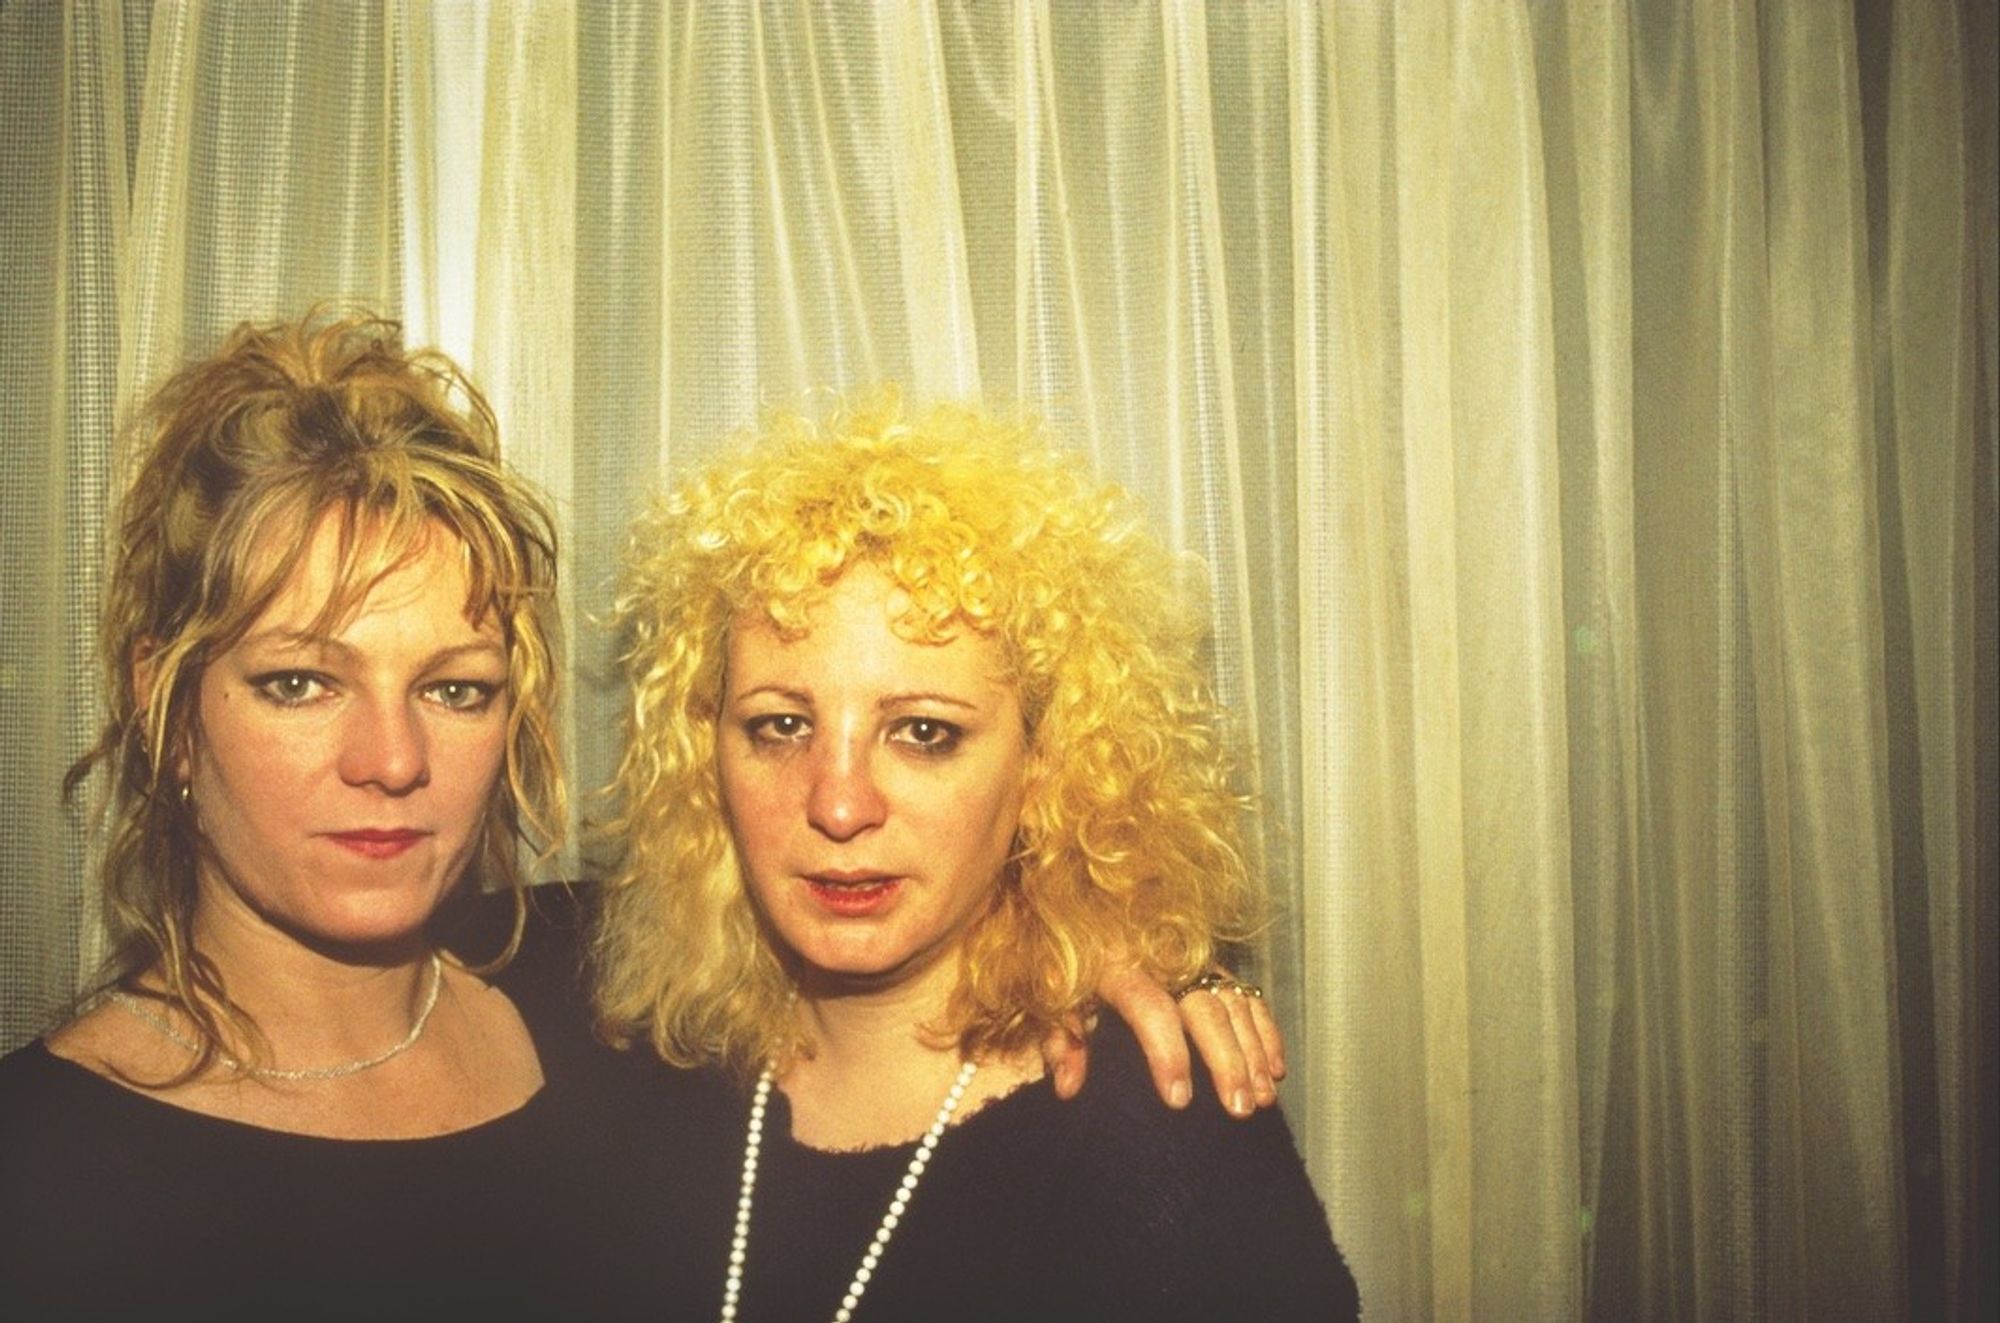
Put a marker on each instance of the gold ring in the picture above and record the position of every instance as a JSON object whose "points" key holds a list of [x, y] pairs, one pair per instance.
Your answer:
{"points": [[1209, 982]]}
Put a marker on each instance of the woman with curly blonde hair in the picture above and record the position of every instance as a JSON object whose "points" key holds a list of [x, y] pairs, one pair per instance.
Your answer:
{"points": [[918, 745]]}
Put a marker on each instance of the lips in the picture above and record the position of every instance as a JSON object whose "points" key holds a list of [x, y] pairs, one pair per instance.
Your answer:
{"points": [[377, 842], [853, 893]]}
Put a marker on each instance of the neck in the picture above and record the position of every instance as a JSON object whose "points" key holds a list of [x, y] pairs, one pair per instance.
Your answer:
{"points": [[876, 1074], [314, 1005], [858, 1030]]}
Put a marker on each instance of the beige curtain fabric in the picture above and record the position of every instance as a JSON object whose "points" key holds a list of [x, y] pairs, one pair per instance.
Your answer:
{"points": [[1586, 411]]}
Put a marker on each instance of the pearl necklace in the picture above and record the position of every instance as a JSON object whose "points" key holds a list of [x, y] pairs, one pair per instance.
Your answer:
{"points": [[739, 1244], [341, 1071]]}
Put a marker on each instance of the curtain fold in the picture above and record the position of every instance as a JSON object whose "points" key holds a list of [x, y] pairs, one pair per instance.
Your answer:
{"points": [[1585, 416]]}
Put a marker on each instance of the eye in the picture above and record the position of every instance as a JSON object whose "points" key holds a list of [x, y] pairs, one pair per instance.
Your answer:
{"points": [[927, 735], [462, 695], [777, 728], [290, 688]]}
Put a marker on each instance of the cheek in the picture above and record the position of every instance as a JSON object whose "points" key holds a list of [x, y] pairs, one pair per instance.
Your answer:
{"points": [[489, 756], [480, 762], [752, 806], [987, 823], [254, 765]]}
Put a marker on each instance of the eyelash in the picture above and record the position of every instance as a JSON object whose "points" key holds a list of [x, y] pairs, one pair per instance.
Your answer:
{"points": [[482, 694], [765, 731], [269, 687], [948, 735]]}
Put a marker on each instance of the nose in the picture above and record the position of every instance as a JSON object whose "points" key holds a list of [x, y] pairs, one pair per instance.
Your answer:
{"points": [[384, 745], [844, 800]]}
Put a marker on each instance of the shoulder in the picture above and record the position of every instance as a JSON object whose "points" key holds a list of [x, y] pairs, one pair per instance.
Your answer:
{"points": [[544, 976], [477, 927], [1119, 1112], [48, 1105], [59, 1121], [27, 1077], [106, 1040], [548, 979], [73, 1066], [1206, 1212], [51, 1133]]}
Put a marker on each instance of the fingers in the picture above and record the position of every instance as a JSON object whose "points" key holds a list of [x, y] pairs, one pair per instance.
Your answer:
{"points": [[1067, 1057], [1220, 1040], [1268, 1036], [1156, 1022], [1242, 1009], [1230, 1024]]}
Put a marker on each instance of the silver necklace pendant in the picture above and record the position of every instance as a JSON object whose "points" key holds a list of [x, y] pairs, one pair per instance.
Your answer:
{"points": [[142, 1011]]}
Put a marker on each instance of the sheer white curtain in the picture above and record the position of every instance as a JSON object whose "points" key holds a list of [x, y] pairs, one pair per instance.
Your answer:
{"points": [[1587, 413]]}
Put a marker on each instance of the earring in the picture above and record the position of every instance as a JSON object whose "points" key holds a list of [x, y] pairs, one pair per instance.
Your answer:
{"points": [[187, 793]]}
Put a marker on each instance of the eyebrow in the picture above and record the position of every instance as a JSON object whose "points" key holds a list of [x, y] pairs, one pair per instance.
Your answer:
{"points": [[885, 703], [302, 641], [925, 696]]}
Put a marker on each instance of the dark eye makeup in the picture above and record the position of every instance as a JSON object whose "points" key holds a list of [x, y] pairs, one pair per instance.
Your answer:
{"points": [[462, 695], [289, 688], [777, 728], [930, 735]]}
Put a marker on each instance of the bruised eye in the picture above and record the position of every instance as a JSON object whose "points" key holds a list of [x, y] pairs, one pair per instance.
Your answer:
{"points": [[777, 728], [927, 734], [462, 695], [290, 688]]}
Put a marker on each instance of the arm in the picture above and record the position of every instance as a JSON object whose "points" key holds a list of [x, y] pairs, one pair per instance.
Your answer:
{"points": [[1233, 1030]]}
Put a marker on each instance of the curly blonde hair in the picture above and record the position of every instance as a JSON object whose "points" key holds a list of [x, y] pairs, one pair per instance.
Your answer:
{"points": [[237, 457], [1129, 833]]}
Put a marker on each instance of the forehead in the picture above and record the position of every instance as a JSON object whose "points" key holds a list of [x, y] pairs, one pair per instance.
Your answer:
{"points": [[854, 635]]}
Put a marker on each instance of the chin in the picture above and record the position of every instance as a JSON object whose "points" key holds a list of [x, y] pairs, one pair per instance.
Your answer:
{"points": [[862, 971], [365, 924]]}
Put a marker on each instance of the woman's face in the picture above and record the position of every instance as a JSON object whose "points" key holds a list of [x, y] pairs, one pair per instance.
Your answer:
{"points": [[341, 781], [873, 784]]}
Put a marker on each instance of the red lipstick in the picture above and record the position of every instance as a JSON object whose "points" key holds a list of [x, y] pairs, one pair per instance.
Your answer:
{"points": [[377, 842], [853, 893]]}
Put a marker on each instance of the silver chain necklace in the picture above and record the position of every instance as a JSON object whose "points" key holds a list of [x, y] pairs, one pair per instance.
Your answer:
{"points": [[186, 1044], [739, 1244]]}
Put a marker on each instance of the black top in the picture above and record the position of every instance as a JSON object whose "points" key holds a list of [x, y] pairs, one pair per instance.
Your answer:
{"points": [[611, 1195], [114, 1204], [1107, 1208]]}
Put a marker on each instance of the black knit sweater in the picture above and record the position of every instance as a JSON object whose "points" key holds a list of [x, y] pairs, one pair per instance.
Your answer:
{"points": [[1110, 1207], [612, 1195]]}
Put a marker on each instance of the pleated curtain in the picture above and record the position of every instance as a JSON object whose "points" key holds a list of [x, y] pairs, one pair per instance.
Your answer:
{"points": [[1585, 413]]}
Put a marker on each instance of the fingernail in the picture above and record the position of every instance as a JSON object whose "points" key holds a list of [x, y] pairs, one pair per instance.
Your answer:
{"points": [[1266, 1089], [1180, 1094], [1239, 1103]]}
